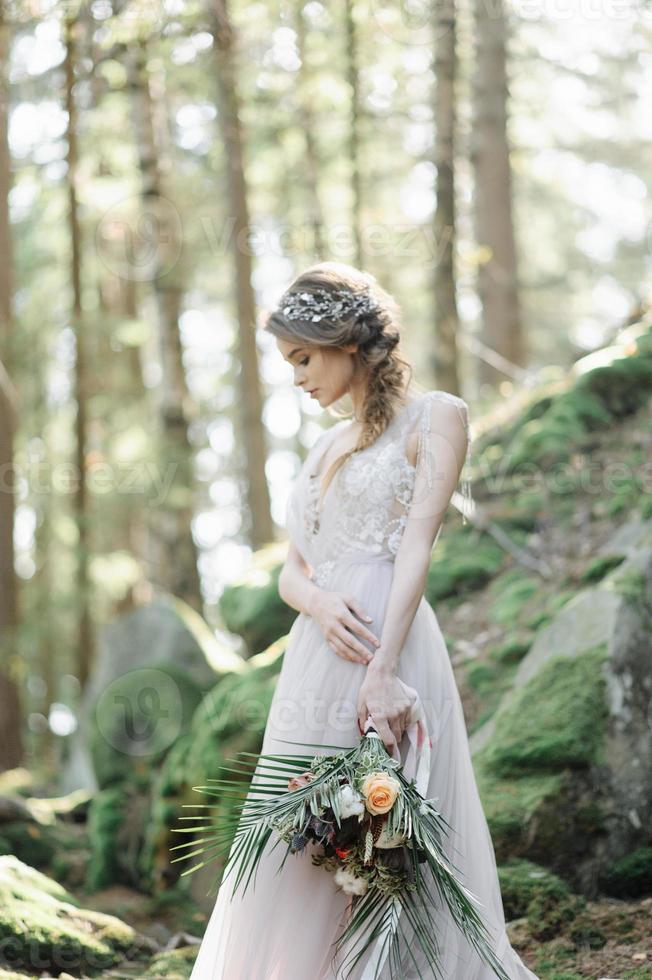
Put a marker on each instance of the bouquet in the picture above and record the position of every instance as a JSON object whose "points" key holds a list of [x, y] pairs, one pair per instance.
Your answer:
{"points": [[364, 815]]}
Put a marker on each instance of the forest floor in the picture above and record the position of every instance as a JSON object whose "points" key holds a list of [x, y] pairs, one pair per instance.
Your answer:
{"points": [[626, 955]]}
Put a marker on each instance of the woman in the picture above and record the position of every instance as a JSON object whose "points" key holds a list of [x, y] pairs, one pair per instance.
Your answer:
{"points": [[364, 514]]}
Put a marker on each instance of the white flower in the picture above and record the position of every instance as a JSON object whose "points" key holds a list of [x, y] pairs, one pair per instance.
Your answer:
{"points": [[350, 801], [350, 883]]}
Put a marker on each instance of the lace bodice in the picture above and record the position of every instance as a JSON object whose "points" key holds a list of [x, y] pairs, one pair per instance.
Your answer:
{"points": [[367, 504]]}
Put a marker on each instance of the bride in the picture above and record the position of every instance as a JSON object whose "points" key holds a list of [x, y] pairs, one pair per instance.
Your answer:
{"points": [[364, 514]]}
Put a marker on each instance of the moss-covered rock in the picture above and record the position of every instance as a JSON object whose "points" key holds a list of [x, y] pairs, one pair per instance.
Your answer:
{"points": [[631, 876], [153, 666], [43, 927], [561, 765], [138, 718], [602, 389], [252, 607], [555, 720], [176, 964], [230, 719], [116, 831], [521, 881]]}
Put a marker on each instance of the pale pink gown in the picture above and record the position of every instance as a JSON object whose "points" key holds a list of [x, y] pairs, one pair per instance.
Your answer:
{"points": [[284, 925]]}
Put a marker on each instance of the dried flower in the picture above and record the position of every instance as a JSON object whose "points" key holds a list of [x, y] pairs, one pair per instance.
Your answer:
{"points": [[298, 782]]}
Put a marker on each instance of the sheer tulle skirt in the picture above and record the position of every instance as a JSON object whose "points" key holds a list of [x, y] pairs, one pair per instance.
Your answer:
{"points": [[284, 926]]}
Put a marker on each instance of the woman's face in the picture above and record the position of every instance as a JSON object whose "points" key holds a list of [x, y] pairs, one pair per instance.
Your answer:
{"points": [[324, 372]]}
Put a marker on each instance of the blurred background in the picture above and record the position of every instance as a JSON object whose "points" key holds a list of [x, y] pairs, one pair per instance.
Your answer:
{"points": [[166, 168]]}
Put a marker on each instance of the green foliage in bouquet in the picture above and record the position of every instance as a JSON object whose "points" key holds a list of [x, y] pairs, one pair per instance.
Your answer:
{"points": [[372, 829]]}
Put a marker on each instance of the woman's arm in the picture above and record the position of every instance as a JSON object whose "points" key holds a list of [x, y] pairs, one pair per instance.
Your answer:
{"points": [[441, 451], [294, 585]]}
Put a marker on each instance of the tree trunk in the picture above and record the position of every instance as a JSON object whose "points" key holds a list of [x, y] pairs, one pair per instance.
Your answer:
{"points": [[253, 438], [307, 125], [11, 745], [497, 274], [447, 319], [353, 78], [80, 496], [174, 560]]}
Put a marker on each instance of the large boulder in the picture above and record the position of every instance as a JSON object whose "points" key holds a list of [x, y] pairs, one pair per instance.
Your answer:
{"points": [[231, 719], [43, 927], [153, 666], [564, 766], [251, 606]]}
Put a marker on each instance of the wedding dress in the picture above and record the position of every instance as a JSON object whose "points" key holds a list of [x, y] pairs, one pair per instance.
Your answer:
{"points": [[354, 536]]}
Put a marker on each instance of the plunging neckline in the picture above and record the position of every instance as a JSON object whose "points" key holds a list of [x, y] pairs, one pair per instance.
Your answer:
{"points": [[316, 477]]}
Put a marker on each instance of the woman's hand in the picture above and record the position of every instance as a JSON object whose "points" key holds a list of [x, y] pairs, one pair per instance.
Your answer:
{"points": [[334, 613], [388, 701]]}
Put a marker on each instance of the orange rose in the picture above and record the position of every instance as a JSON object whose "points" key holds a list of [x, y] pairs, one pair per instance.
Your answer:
{"points": [[380, 791]]}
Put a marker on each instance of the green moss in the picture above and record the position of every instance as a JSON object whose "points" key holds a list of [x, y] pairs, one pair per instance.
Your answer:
{"points": [[585, 933], [39, 922], [510, 804], [230, 719], [512, 650], [555, 720], [464, 564], [553, 427], [631, 876], [176, 964], [252, 607], [481, 676], [631, 584], [510, 592], [601, 566], [521, 881], [621, 387], [553, 909], [30, 841], [117, 823]]}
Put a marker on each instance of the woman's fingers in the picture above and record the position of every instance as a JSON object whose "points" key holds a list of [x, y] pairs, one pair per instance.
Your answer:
{"points": [[361, 630], [342, 649], [349, 639], [386, 733], [353, 604]]}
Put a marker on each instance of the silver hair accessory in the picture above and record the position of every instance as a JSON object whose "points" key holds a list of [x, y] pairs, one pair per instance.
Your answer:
{"points": [[324, 304]]}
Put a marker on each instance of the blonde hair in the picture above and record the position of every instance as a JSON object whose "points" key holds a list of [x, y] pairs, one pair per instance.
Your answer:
{"points": [[377, 334]]}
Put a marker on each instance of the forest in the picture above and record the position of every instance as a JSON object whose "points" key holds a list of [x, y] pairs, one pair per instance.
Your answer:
{"points": [[167, 167]]}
